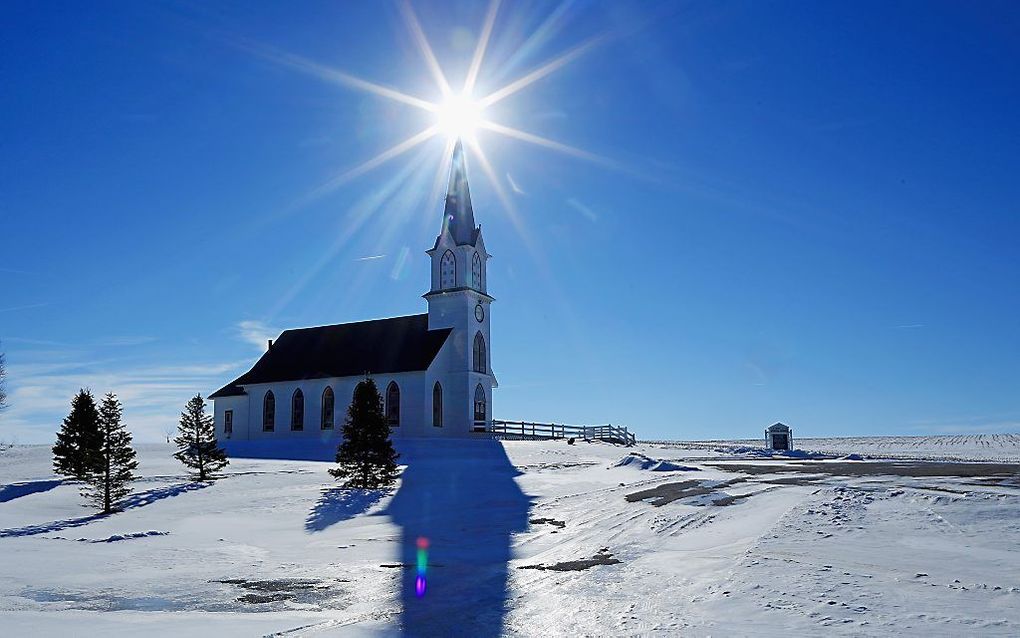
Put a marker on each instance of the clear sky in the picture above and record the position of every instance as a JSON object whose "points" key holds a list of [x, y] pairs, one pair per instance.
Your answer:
{"points": [[795, 211]]}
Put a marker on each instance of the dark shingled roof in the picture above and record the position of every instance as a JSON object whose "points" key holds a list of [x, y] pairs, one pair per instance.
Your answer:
{"points": [[382, 346]]}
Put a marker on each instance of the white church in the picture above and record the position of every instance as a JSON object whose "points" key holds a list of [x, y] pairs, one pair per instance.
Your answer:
{"points": [[433, 369]]}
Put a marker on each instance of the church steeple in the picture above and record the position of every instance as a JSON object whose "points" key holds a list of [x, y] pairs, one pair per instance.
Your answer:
{"points": [[458, 215]]}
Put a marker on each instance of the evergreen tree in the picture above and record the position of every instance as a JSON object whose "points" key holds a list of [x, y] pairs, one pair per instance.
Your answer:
{"points": [[77, 450], [366, 455], [108, 483], [196, 441]]}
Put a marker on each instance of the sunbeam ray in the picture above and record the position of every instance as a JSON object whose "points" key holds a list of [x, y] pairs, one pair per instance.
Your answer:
{"points": [[497, 186], [546, 142], [483, 43], [541, 35], [426, 49], [441, 171], [540, 72], [379, 159], [359, 214], [335, 76], [511, 210]]}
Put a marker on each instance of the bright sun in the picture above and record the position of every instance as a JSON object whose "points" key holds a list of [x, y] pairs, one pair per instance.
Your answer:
{"points": [[459, 116]]}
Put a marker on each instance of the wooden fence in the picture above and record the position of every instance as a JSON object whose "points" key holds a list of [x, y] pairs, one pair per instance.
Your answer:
{"points": [[528, 430]]}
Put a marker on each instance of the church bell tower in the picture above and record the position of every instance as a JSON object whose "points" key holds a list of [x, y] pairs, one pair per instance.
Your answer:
{"points": [[459, 299]]}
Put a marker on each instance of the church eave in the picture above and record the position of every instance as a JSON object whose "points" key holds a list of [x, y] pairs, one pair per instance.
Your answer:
{"points": [[439, 293]]}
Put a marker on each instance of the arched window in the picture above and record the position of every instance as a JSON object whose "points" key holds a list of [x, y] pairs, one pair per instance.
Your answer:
{"points": [[437, 405], [327, 408], [448, 270], [297, 410], [393, 404], [479, 353], [476, 272], [269, 412], [479, 404]]}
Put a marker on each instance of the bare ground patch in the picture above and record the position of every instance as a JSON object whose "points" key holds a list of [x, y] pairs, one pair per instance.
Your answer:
{"points": [[602, 557], [876, 468]]}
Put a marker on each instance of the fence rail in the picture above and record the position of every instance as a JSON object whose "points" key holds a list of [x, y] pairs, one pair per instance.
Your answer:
{"points": [[529, 430]]}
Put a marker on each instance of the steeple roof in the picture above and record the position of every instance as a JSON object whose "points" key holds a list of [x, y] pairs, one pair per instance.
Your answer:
{"points": [[458, 216]]}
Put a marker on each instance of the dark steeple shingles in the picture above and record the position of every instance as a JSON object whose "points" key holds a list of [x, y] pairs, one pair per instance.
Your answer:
{"points": [[459, 217]]}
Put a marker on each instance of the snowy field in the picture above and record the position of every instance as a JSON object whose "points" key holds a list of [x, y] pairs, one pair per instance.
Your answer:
{"points": [[957, 447], [527, 538]]}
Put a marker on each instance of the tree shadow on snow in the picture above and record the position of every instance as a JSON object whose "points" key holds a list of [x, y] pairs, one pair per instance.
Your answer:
{"points": [[339, 504], [140, 499], [459, 503], [17, 490]]}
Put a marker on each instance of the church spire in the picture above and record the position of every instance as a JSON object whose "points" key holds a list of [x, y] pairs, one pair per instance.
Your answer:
{"points": [[458, 216]]}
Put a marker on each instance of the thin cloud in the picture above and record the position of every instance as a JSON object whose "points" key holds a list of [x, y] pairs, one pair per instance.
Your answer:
{"points": [[256, 333], [25, 307], [369, 258], [584, 210], [125, 340], [909, 326], [513, 185], [153, 396], [35, 342]]}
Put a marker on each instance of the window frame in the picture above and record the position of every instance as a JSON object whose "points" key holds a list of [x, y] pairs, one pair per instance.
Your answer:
{"points": [[297, 411], [228, 421], [479, 358], [269, 412], [392, 407], [452, 282], [437, 405], [476, 274], [323, 412], [483, 402]]}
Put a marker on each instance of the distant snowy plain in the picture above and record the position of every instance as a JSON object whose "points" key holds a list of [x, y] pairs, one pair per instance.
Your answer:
{"points": [[529, 538]]}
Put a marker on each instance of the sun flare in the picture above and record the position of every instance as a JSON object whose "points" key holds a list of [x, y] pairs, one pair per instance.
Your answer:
{"points": [[459, 116]]}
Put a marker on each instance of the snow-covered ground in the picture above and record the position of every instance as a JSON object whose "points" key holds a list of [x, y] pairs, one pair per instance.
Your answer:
{"points": [[522, 538], [955, 447]]}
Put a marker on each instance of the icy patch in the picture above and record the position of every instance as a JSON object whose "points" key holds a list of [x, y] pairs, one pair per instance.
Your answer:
{"points": [[284, 592], [642, 462]]}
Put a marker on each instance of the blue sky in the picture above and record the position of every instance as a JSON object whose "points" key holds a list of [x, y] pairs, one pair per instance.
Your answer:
{"points": [[805, 212]]}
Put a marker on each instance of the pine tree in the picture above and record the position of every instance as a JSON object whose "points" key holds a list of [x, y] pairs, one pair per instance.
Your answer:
{"points": [[108, 483], [196, 441], [366, 455], [77, 450]]}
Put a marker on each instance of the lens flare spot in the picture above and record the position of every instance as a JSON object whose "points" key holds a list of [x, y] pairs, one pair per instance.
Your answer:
{"points": [[422, 566]]}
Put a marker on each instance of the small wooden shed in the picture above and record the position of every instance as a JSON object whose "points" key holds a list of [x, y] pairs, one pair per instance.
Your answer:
{"points": [[779, 436]]}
